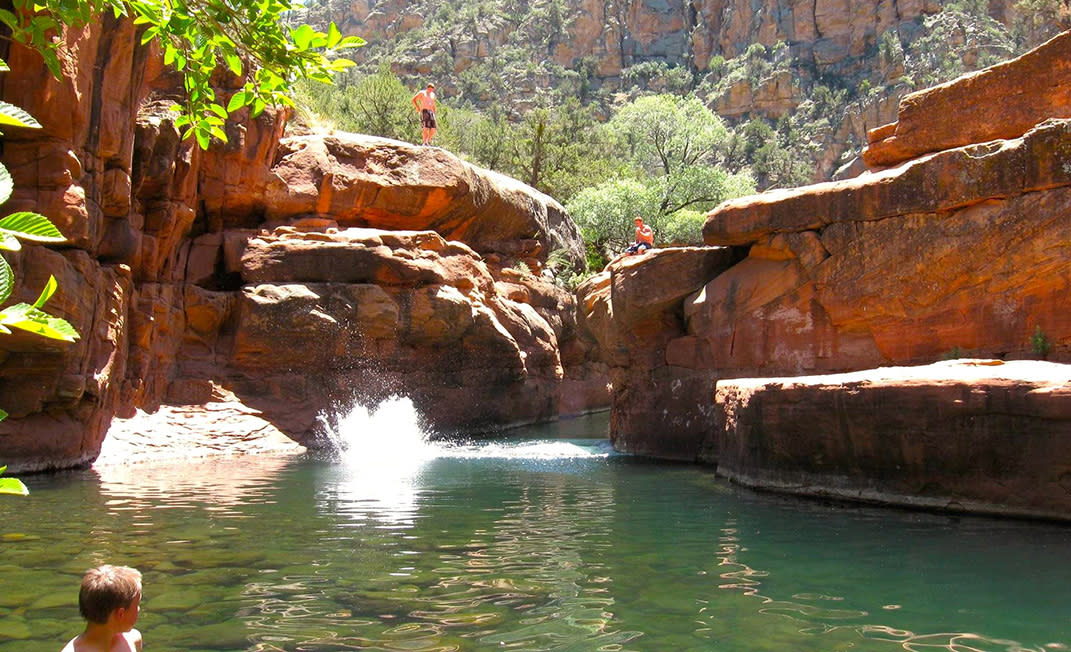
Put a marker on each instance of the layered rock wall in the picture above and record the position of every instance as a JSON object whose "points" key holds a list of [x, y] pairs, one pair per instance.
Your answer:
{"points": [[978, 436], [292, 274], [962, 252]]}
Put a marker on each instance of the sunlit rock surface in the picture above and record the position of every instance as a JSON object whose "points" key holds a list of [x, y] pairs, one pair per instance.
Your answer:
{"points": [[999, 102], [959, 252], [294, 273], [965, 435]]}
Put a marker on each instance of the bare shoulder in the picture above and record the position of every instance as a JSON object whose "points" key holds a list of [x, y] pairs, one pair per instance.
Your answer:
{"points": [[131, 642]]}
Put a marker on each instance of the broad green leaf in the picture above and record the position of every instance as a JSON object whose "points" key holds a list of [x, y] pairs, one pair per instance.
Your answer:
{"points": [[16, 117], [7, 184], [7, 279], [44, 23], [3, 415], [31, 226], [8, 18], [219, 111], [13, 487], [8, 242], [303, 36], [4, 67], [52, 62], [203, 139], [47, 292], [150, 33], [33, 320], [234, 62], [350, 42], [238, 100], [219, 133], [333, 35], [340, 64]]}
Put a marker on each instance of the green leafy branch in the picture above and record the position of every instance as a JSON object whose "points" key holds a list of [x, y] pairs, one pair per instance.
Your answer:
{"points": [[250, 38], [14, 228]]}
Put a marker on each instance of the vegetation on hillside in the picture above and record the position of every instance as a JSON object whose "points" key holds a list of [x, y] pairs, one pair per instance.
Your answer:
{"points": [[490, 60]]}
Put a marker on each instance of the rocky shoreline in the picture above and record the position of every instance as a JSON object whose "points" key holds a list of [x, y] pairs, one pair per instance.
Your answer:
{"points": [[979, 436], [223, 427]]}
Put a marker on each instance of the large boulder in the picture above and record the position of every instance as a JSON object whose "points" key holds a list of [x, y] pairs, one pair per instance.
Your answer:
{"points": [[367, 181], [634, 311], [956, 252], [359, 314], [1002, 101], [968, 435]]}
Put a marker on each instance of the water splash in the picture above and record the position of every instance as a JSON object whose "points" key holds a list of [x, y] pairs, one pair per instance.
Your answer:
{"points": [[389, 433], [382, 451], [390, 436]]}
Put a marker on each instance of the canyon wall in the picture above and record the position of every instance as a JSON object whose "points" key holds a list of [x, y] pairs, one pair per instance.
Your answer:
{"points": [[293, 273], [823, 72], [962, 252]]}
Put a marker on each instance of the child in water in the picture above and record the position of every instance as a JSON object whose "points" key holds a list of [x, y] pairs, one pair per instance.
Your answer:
{"points": [[110, 601]]}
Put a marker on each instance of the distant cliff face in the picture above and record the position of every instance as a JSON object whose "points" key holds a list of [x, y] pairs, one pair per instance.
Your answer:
{"points": [[514, 54]]}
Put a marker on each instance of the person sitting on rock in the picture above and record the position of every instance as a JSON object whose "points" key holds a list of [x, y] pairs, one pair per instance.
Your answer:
{"points": [[644, 238]]}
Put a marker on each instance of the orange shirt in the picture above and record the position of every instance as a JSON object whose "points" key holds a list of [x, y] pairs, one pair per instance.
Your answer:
{"points": [[425, 99], [645, 234]]}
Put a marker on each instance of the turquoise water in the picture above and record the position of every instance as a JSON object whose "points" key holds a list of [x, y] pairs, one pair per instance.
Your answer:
{"points": [[543, 541]]}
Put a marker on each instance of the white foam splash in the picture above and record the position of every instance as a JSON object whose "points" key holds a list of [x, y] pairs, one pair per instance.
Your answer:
{"points": [[390, 433], [527, 450], [390, 437]]}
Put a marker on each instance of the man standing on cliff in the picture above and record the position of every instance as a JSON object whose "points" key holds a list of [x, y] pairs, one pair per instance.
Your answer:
{"points": [[424, 102]]}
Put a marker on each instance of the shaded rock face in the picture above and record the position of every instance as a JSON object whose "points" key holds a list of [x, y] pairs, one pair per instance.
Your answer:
{"points": [[295, 274], [634, 310], [962, 251], [326, 318], [980, 436]]}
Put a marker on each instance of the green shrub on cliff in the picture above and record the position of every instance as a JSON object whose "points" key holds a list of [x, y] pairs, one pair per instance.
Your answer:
{"points": [[378, 105], [26, 226], [249, 38]]}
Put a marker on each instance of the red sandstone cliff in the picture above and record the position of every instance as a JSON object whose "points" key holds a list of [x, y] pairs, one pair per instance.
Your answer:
{"points": [[296, 274], [963, 251]]}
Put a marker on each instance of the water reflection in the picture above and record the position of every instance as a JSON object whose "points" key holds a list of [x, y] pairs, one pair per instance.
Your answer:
{"points": [[217, 484]]}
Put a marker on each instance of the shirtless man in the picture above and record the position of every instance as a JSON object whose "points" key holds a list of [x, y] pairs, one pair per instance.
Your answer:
{"points": [[110, 601], [644, 238], [424, 102]]}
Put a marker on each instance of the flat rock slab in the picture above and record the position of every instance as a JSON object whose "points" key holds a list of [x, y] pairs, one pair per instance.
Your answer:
{"points": [[979, 436], [186, 432]]}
